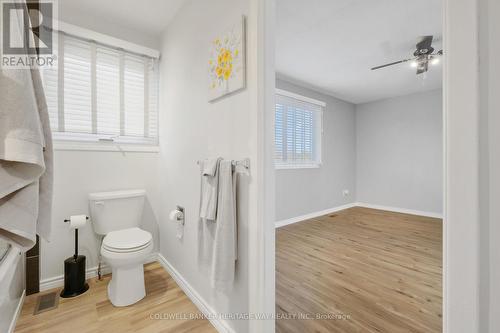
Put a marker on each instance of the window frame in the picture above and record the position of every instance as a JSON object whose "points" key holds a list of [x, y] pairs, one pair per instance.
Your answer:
{"points": [[319, 135], [102, 142]]}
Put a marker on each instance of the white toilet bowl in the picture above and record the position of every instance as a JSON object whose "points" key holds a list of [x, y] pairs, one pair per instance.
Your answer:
{"points": [[125, 251], [117, 215]]}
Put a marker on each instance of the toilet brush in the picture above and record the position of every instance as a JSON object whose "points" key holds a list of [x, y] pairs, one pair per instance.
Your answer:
{"points": [[75, 266]]}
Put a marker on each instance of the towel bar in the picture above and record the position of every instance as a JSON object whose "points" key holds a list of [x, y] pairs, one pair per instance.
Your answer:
{"points": [[244, 163]]}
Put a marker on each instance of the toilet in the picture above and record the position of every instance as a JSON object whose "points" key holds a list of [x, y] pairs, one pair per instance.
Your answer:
{"points": [[125, 247]]}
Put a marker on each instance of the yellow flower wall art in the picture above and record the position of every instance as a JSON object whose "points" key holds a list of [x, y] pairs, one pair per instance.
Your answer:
{"points": [[226, 64]]}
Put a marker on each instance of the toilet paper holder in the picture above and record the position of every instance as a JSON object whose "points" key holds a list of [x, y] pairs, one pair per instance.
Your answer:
{"points": [[74, 271], [180, 218], [68, 220]]}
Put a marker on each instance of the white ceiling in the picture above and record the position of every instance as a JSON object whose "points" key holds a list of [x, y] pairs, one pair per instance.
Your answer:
{"points": [[332, 44], [144, 16]]}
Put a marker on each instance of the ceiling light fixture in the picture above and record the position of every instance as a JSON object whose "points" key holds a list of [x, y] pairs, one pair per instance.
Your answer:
{"points": [[435, 61], [422, 57]]}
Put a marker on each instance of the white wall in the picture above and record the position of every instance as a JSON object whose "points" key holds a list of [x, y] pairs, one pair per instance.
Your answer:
{"points": [[399, 152], [489, 311], [78, 173], [494, 160], [72, 13], [193, 129], [303, 191]]}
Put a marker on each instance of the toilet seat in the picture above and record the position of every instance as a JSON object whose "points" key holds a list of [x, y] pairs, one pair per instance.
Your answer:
{"points": [[127, 240]]}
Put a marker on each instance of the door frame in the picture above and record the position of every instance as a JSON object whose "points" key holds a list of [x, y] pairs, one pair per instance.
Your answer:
{"points": [[461, 270], [461, 169]]}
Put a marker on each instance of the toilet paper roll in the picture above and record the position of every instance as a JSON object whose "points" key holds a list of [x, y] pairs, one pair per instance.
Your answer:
{"points": [[175, 215], [77, 221], [180, 231], [178, 217]]}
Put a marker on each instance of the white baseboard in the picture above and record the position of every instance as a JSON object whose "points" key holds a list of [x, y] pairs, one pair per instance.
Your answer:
{"points": [[356, 204], [400, 210], [19, 307], [219, 324], [58, 281], [301, 218]]}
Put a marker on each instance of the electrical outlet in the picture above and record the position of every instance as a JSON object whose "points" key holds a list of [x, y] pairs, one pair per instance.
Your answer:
{"points": [[345, 193]]}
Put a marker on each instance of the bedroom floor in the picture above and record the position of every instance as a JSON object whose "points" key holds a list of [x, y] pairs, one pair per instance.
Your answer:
{"points": [[164, 309], [360, 270]]}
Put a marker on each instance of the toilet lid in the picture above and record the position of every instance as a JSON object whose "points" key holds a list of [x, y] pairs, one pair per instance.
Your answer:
{"points": [[127, 239]]}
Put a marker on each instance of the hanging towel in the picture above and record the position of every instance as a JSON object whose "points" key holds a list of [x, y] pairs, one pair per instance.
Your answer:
{"points": [[225, 242], [211, 166], [209, 187], [25, 157], [208, 211]]}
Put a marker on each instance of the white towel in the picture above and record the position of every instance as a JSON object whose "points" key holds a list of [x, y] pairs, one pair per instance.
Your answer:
{"points": [[218, 240], [210, 166], [25, 169], [225, 242], [208, 211], [209, 187]]}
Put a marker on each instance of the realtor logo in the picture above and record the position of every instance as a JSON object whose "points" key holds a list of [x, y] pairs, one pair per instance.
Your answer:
{"points": [[27, 33]]}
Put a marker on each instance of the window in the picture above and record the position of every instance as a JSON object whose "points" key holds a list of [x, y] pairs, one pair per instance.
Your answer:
{"points": [[100, 93], [298, 129]]}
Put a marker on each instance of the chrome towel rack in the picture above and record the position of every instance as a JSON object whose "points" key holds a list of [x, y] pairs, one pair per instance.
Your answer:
{"points": [[244, 163]]}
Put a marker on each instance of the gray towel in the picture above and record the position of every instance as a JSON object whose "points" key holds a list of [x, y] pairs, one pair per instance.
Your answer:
{"points": [[209, 188], [210, 167], [25, 158], [209, 181], [225, 242], [218, 240]]}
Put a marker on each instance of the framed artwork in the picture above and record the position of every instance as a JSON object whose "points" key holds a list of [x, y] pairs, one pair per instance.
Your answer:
{"points": [[226, 64]]}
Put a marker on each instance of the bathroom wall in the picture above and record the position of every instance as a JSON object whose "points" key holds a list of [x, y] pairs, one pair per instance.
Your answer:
{"points": [[72, 12], [400, 152], [304, 191], [193, 129], [78, 173]]}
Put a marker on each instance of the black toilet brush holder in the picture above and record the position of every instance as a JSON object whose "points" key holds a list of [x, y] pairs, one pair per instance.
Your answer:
{"points": [[74, 273]]}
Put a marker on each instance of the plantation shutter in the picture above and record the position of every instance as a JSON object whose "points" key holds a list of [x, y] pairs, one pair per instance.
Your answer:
{"points": [[298, 127], [97, 92]]}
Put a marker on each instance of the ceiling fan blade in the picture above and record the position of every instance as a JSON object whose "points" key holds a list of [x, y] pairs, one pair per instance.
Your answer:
{"points": [[424, 43], [391, 64]]}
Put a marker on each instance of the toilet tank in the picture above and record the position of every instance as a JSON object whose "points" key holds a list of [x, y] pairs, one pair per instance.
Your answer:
{"points": [[110, 211]]}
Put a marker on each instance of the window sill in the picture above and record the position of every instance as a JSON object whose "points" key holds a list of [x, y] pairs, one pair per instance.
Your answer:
{"points": [[104, 146], [297, 167]]}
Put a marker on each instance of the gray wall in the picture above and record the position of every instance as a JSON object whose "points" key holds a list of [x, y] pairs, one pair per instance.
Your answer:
{"points": [[399, 152], [303, 191], [489, 292]]}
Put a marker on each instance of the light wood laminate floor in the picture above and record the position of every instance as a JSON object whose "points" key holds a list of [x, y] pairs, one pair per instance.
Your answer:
{"points": [[93, 313], [381, 270]]}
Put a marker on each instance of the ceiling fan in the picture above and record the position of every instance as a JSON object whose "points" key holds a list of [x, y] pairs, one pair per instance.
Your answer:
{"points": [[422, 56]]}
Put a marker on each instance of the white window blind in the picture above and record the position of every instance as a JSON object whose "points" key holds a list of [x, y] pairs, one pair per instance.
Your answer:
{"points": [[298, 130], [97, 92]]}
